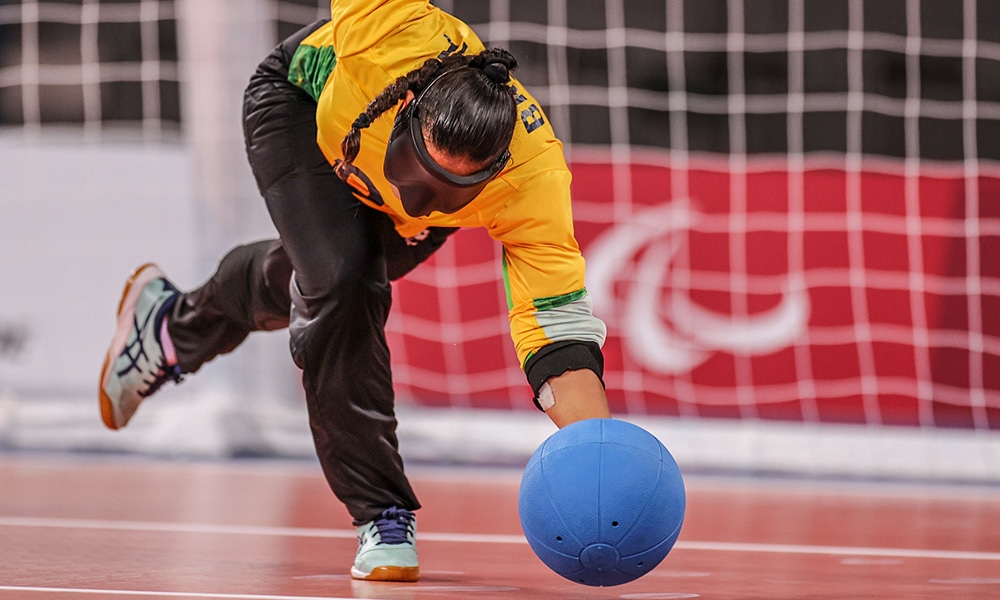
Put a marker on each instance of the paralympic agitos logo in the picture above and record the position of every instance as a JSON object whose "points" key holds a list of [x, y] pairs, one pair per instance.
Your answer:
{"points": [[662, 328]]}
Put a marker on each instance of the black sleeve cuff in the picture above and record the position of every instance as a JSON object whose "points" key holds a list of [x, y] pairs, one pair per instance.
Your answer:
{"points": [[555, 359]]}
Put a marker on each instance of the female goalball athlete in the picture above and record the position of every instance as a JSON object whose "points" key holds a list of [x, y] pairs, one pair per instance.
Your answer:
{"points": [[373, 136]]}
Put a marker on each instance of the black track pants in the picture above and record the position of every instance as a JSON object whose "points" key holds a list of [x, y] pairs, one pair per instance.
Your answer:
{"points": [[327, 279]]}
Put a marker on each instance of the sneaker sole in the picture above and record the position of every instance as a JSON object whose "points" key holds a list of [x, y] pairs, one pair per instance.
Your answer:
{"points": [[138, 280], [388, 574]]}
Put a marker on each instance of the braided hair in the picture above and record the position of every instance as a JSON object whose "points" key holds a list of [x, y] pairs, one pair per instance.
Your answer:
{"points": [[470, 113]]}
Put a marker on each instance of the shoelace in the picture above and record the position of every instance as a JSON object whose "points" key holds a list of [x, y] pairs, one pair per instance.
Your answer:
{"points": [[164, 373], [394, 524]]}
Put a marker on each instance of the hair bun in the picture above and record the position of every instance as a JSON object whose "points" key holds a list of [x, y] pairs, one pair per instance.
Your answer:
{"points": [[497, 71]]}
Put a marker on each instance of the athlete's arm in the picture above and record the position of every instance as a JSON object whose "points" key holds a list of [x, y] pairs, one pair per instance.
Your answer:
{"points": [[557, 337]]}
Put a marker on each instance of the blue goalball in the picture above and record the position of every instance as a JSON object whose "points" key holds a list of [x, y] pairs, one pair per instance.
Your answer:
{"points": [[601, 502]]}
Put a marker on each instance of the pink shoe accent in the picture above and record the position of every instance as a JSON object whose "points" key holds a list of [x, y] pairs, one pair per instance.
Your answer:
{"points": [[169, 352]]}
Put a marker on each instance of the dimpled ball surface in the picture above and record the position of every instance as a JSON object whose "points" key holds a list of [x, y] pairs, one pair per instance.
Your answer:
{"points": [[601, 502]]}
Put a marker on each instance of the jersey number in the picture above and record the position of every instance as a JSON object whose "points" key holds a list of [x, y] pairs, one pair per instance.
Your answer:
{"points": [[531, 117]]}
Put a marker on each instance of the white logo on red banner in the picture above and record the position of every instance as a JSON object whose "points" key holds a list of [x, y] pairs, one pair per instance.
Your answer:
{"points": [[661, 326]]}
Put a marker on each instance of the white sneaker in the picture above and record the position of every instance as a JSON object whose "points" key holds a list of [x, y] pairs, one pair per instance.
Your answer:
{"points": [[135, 366], [387, 548]]}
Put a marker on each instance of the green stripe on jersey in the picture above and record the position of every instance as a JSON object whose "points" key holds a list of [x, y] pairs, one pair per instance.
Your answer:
{"points": [[557, 301], [506, 280], [311, 67]]}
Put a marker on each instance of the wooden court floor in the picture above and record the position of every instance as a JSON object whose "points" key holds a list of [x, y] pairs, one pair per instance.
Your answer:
{"points": [[83, 527]]}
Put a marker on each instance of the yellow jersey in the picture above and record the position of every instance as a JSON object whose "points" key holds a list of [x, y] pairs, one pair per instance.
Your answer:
{"points": [[367, 45]]}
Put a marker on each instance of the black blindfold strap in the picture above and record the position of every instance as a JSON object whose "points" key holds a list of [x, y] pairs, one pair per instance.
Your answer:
{"points": [[412, 116], [422, 183]]}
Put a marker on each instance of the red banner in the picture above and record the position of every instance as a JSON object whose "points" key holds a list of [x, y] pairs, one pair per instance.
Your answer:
{"points": [[748, 291]]}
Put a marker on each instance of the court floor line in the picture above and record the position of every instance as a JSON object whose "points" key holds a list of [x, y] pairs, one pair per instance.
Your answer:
{"points": [[478, 538], [57, 590], [838, 550]]}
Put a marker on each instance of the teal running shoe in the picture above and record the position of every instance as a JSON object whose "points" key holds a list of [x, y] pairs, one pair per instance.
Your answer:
{"points": [[387, 548], [135, 365]]}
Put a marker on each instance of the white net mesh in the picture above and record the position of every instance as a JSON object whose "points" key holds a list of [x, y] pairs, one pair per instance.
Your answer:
{"points": [[786, 208], [110, 67]]}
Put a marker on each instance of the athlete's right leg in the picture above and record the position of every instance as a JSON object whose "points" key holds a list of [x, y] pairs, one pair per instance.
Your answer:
{"points": [[248, 292]]}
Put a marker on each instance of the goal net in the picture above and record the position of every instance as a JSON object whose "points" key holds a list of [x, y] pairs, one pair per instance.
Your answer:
{"points": [[789, 210]]}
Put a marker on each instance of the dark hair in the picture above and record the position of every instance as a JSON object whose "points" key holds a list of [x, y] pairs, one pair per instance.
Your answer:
{"points": [[470, 113]]}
